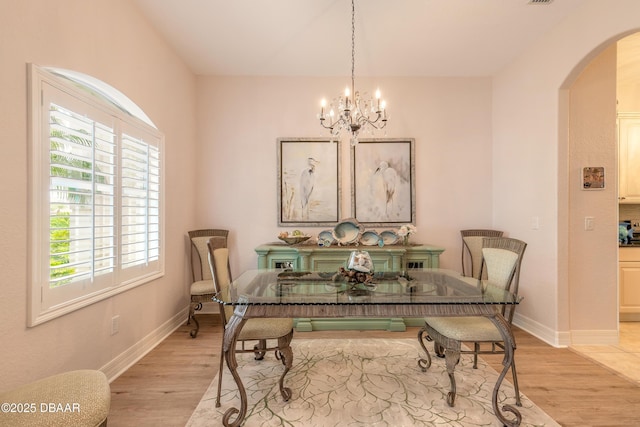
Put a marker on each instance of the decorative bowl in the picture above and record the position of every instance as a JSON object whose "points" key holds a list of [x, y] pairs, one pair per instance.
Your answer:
{"points": [[389, 237], [294, 240], [326, 237], [370, 238], [348, 231]]}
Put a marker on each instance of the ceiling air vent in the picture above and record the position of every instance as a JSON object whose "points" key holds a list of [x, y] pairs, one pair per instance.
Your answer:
{"points": [[540, 1]]}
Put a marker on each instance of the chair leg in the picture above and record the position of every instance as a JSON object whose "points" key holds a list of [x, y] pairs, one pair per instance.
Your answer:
{"points": [[451, 357], [258, 350], [284, 351], [220, 371], [192, 310], [423, 336], [515, 383], [476, 350], [192, 315]]}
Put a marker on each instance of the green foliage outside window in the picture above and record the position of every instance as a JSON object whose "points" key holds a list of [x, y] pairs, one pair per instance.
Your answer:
{"points": [[59, 247]]}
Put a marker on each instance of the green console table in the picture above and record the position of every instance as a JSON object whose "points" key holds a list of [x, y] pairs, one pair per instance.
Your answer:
{"points": [[309, 257]]}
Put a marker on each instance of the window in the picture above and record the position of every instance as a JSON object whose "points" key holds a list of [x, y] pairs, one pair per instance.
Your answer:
{"points": [[95, 192]]}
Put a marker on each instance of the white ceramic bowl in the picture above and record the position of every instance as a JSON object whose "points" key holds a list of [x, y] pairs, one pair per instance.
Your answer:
{"points": [[389, 237], [370, 238], [348, 231]]}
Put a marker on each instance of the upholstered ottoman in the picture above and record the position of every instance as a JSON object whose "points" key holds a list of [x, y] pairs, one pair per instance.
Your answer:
{"points": [[76, 398]]}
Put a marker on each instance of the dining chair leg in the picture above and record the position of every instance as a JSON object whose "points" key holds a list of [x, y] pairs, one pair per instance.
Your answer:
{"points": [[259, 349], [193, 307], [424, 363], [515, 383], [451, 357], [286, 354], [220, 370], [476, 350]]}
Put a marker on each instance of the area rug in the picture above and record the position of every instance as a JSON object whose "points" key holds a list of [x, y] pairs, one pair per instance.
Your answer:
{"points": [[362, 382]]}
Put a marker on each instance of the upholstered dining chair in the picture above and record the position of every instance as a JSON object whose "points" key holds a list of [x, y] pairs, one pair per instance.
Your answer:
{"points": [[201, 289], [271, 334], [86, 390], [502, 258], [472, 249]]}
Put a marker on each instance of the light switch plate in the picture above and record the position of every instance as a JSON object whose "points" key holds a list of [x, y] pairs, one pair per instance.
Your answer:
{"points": [[589, 223]]}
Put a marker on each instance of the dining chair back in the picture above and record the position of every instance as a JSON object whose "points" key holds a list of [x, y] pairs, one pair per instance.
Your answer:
{"points": [[502, 260], [201, 289], [472, 249]]}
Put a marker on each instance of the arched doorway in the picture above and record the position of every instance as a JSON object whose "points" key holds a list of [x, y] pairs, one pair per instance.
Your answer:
{"points": [[588, 137]]}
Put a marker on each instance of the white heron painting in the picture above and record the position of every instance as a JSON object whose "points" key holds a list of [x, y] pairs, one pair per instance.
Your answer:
{"points": [[309, 181], [383, 181]]}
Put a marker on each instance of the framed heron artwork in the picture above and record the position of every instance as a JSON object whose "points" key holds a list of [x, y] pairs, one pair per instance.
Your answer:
{"points": [[309, 182], [383, 189]]}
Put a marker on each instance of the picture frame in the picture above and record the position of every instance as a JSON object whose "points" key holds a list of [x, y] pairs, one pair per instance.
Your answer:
{"points": [[383, 182], [309, 182], [593, 178]]}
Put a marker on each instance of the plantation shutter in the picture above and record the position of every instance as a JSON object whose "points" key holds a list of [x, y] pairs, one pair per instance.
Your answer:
{"points": [[101, 220], [81, 215], [140, 198]]}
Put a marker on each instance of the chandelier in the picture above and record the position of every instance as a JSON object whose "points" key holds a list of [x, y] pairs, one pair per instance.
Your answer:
{"points": [[352, 114]]}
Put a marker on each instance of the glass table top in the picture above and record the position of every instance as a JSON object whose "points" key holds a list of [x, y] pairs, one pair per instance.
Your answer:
{"points": [[419, 287]]}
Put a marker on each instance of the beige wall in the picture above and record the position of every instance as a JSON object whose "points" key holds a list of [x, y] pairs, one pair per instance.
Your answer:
{"points": [[593, 142], [110, 40], [532, 171], [240, 120]]}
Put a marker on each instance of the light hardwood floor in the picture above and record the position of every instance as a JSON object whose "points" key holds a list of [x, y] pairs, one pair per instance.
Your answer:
{"points": [[165, 386], [623, 357]]}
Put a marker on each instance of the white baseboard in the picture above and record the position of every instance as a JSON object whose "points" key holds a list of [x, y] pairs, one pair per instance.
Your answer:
{"points": [[129, 357], [566, 338], [538, 330]]}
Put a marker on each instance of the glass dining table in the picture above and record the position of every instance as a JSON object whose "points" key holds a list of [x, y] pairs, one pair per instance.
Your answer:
{"points": [[312, 294]]}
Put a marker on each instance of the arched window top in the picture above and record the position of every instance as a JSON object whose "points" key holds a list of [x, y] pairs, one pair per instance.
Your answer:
{"points": [[105, 91]]}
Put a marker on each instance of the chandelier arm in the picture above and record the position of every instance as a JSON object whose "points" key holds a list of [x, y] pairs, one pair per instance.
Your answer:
{"points": [[331, 126]]}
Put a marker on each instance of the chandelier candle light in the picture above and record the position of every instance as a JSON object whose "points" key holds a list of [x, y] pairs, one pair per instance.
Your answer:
{"points": [[353, 114]]}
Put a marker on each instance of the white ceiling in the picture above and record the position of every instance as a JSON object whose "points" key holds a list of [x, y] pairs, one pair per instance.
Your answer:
{"points": [[313, 37]]}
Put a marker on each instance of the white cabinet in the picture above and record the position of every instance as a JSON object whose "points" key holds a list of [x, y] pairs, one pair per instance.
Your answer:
{"points": [[629, 284], [629, 157]]}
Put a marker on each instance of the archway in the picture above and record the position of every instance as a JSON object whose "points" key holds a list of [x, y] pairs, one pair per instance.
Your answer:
{"points": [[587, 137]]}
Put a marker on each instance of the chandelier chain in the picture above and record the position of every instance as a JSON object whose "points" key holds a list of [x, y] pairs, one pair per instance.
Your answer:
{"points": [[353, 47]]}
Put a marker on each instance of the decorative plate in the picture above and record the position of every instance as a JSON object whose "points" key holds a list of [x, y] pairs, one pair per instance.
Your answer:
{"points": [[370, 238], [348, 231], [389, 237], [326, 237]]}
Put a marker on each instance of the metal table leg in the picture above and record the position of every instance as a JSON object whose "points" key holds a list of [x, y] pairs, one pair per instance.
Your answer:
{"points": [[509, 350]]}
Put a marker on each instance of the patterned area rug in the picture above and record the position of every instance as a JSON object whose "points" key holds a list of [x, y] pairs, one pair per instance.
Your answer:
{"points": [[362, 382]]}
